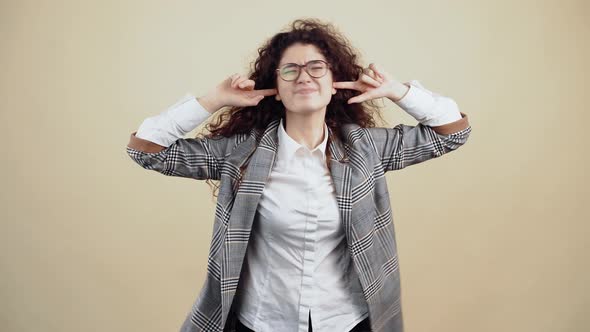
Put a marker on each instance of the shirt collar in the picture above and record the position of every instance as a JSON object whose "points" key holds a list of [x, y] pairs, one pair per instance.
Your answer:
{"points": [[288, 146]]}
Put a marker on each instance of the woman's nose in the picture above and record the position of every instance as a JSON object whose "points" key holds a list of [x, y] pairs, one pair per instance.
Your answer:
{"points": [[303, 75]]}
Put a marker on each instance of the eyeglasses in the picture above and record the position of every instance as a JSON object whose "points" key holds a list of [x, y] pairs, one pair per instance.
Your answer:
{"points": [[315, 68]]}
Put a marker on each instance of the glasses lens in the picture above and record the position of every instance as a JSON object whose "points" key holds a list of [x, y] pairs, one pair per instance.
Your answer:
{"points": [[289, 72], [316, 69]]}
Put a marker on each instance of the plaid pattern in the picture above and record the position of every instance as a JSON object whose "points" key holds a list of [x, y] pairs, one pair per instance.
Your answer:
{"points": [[358, 168]]}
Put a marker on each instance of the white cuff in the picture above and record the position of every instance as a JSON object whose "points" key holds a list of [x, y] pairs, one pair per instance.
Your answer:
{"points": [[188, 113], [427, 107], [174, 123]]}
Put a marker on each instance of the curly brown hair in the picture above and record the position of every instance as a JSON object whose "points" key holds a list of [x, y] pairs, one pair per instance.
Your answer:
{"points": [[343, 59]]}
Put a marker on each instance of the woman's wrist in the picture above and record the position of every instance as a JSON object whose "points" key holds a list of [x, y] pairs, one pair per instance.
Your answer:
{"points": [[210, 103], [398, 91]]}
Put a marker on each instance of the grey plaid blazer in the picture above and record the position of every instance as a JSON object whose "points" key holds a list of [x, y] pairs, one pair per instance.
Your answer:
{"points": [[357, 166]]}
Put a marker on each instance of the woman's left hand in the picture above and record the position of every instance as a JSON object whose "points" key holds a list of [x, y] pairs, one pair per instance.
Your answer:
{"points": [[375, 84]]}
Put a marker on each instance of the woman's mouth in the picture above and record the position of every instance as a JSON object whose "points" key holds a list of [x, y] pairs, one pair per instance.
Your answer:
{"points": [[306, 91]]}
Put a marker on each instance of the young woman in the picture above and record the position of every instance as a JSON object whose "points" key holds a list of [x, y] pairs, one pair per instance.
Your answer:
{"points": [[303, 225]]}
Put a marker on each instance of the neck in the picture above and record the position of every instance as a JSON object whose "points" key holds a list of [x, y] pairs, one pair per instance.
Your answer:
{"points": [[306, 129]]}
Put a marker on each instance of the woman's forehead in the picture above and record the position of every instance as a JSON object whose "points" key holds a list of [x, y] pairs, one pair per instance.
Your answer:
{"points": [[300, 54]]}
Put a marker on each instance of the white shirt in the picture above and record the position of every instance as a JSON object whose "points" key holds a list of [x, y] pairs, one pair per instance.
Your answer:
{"points": [[297, 258]]}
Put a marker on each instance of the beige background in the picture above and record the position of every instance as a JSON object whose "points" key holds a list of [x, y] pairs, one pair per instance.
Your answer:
{"points": [[492, 237]]}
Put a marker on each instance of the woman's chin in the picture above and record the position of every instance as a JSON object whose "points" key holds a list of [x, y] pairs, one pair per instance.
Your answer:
{"points": [[304, 105]]}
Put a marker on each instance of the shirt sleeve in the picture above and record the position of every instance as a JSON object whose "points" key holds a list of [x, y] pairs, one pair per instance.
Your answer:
{"points": [[427, 107], [174, 122]]}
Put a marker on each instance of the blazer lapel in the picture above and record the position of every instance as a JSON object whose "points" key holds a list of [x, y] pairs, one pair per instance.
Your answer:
{"points": [[341, 173], [243, 212]]}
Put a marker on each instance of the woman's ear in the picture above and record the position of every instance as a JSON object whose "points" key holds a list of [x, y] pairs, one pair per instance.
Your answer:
{"points": [[277, 96]]}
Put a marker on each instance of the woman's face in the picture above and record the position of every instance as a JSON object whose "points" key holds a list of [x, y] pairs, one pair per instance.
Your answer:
{"points": [[289, 92]]}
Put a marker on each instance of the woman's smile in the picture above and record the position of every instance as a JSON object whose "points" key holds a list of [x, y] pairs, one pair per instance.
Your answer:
{"points": [[306, 91]]}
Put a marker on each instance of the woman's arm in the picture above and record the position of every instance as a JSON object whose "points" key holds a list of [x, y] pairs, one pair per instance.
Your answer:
{"points": [[159, 145], [442, 128]]}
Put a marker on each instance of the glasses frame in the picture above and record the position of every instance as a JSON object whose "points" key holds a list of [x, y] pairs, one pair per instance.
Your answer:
{"points": [[328, 67]]}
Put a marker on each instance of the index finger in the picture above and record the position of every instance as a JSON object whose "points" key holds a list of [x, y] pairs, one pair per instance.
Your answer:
{"points": [[264, 92], [345, 85]]}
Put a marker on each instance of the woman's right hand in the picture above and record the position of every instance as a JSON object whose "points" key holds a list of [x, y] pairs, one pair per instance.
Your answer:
{"points": [[238, 90]]}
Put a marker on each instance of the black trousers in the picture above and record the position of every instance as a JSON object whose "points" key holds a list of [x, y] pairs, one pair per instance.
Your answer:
{"points": [[363, 326]]}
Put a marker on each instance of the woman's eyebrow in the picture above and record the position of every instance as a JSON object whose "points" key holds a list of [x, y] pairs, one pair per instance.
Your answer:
{"points": [[302, 63]]}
